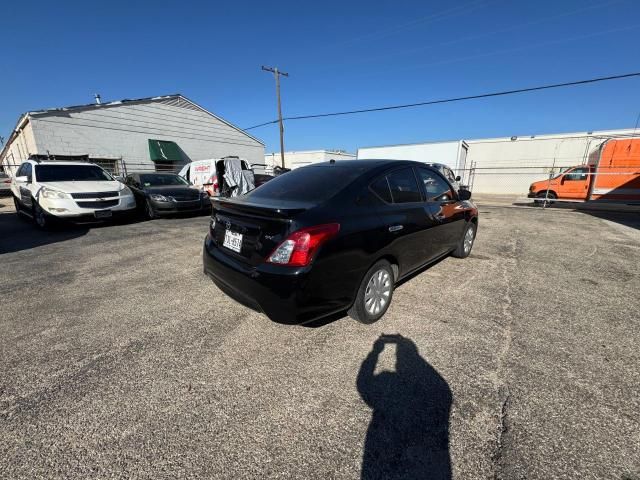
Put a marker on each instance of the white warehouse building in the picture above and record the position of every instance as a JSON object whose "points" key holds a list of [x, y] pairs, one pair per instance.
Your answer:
{"points": [[307, 157], [153, 133], [504, 165]]}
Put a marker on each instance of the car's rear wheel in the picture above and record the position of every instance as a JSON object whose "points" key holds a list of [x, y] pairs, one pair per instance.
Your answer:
{"points": [[149, 211], [466, 242], [374, 295]]}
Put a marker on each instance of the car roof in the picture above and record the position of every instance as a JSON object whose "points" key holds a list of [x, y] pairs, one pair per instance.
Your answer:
{"points": [[369, 163]]}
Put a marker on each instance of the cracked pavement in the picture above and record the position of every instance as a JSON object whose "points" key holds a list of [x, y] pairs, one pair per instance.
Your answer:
{"points": [[120, 360]]}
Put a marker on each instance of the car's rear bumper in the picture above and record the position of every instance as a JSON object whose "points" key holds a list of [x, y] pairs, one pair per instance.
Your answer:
{"points": [[285, 295]]}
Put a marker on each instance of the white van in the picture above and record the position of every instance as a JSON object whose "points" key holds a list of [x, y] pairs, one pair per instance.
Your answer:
{"points": [[209, 175]]}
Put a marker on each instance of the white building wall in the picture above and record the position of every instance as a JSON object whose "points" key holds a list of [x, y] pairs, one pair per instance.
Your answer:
{"points": [[506, 166], [300, 159], [437, 152], [22, 145], [123, 130], [503, 165], [453, 154]]}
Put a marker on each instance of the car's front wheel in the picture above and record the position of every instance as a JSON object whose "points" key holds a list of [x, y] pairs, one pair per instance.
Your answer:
{"points": [[543, 197], [149, 211], [374, 295], [42, 218], [16, 204], [466, 242]]}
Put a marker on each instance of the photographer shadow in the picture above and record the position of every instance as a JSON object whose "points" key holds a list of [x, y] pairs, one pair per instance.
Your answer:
{"points": [[408, 436]]}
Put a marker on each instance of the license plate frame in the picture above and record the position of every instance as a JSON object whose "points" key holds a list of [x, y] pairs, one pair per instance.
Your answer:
{"points": [[232, 241], [103, 214]]}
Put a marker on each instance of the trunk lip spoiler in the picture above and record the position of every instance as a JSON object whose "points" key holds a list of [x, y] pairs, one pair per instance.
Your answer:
{"points": [[256, 208]]}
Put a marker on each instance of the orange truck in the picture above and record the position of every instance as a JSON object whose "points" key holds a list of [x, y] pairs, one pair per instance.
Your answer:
{"points": [[612, 174]]}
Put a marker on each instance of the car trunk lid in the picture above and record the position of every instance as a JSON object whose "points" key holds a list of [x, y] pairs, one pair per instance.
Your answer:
{"points": [[262, 227]]}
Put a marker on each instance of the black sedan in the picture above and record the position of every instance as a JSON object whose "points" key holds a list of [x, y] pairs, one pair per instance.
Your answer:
{"points": [[166, 193], [335, 237]]}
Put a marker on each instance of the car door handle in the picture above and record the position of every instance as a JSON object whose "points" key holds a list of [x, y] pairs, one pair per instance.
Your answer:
{"points": [[396, 228]]}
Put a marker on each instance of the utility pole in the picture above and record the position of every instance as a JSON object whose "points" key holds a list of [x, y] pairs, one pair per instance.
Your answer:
{"points": [[277, 73]]}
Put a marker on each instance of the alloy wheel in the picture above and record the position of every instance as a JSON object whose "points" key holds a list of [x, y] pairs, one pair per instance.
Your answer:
{"points": [[41, 220], [378, 292], [468, 240]]}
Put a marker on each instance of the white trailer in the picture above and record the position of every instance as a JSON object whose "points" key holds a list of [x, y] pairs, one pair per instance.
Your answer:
{"points": [[294, 160], [452, 154]]}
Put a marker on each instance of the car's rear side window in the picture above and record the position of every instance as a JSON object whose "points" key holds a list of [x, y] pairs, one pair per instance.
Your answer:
{"points": [[307, 184], [381, 188], [404, 187]]}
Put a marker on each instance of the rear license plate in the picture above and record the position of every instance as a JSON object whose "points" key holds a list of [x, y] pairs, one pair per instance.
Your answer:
{"points": [[232, 240], [103, 213]]}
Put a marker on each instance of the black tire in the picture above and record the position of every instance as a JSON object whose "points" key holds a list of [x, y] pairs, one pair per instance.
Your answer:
{"points": [[16, 204], [42, 219], [466, 241], [148, 211], [540, 197], [363, 310]]}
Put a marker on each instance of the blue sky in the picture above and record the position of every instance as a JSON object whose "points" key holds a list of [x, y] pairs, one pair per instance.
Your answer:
{"points": [[340, 55]]}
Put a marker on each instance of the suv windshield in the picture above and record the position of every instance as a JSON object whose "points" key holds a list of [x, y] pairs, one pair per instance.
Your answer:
{"points": [[307, 184], [66, 173], [162, 179]]}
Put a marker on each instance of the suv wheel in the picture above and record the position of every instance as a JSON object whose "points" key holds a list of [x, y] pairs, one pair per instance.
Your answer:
{"points": [[16, 204], [41, 217], [374, 295]]}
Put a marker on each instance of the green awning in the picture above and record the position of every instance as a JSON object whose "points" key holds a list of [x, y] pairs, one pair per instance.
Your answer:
{"points": [[164, 151]]}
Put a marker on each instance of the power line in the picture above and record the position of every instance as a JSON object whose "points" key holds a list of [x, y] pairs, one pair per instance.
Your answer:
{"points": [[455, 99]]}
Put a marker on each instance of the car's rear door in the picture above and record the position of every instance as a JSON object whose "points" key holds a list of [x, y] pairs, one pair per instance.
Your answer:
{"points": [[407, 225], [442, 205]]}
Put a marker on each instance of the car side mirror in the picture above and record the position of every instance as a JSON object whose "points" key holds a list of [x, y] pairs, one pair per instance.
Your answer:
{"points": [[458, 178], [464, 194], [562, 180], [22, 179]]}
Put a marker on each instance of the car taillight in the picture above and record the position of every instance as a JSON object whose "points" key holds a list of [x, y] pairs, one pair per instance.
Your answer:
{"points": [[300, 247], [214, 181]]}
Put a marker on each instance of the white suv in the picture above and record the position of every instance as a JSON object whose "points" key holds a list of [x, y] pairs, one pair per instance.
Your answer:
{"points": [[70, 190]]}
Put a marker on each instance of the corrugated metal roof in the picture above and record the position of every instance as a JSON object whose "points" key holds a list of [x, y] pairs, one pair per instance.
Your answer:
{"points": [[176, 99]]}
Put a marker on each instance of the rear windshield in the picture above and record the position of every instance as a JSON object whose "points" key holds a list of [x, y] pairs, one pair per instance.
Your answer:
{"points": [[66, 173], [162, 180], [307, 184]]}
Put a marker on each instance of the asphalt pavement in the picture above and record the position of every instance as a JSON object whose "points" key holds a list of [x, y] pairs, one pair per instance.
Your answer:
{"points": [[121, 360]]}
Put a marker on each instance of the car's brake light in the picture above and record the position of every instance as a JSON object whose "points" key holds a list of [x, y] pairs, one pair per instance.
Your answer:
{"points": [[214, 181], [300, 247]]}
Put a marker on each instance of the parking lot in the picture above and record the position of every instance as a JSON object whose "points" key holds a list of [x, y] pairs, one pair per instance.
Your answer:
{"points": [[121, 360]]}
